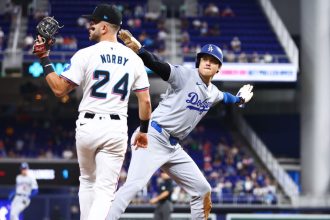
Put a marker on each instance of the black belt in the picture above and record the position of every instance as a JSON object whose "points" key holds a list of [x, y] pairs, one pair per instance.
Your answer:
{"points": [[92, 115], [18, 194], [173, 140]]}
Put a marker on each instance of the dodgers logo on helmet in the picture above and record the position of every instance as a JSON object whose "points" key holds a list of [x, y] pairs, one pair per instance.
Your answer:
{"points": [[212, 50]]}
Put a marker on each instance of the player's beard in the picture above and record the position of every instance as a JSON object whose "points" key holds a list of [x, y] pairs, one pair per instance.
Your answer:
{"points": [[94, 35]]}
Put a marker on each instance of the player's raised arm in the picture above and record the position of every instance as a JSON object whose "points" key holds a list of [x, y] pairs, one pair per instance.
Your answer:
{"points": [[47, 28], [150, 60]]}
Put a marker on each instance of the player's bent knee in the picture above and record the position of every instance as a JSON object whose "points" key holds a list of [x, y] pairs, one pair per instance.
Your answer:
{"points": [[205, 188]]}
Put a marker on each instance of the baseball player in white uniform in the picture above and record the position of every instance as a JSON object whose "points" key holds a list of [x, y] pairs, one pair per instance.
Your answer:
{"points": [[188, 98], [106, 71], [26, 187]]}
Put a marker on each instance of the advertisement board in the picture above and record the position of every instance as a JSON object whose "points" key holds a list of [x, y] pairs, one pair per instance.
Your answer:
{"points": [[255, 72], [46, 173]]}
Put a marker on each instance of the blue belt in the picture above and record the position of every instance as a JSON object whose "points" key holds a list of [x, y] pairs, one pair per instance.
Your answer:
{"points": [[173, 140]]}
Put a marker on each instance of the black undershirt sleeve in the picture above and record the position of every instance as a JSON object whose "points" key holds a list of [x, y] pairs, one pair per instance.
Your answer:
{"points": [[151, 61]]}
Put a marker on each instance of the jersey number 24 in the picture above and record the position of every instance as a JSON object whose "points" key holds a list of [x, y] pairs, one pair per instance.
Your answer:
{"points": [[119, 88]]}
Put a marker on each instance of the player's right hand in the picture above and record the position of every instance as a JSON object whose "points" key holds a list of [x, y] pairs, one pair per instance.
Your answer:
{"points": [[129, 40], [141, 140]]}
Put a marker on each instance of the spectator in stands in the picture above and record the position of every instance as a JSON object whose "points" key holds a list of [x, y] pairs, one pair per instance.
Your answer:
{"points": [[269, 191], [196, 24], [179, 196], [248, 184], [255, 58], [161, 36], [185, 38], [67, 154], [58, 42], [40, 14], [231, 57], [138, 11], [145, 39], [134, 23], [242, 58], [82, 22], [235, 44], [268, 58], [151, 16], [73, 44], [227, 12], [204, 29], [28, 41], [211, 10]]}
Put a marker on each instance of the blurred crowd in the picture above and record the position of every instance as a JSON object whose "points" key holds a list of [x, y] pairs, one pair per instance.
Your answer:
{"points": [[228, 165], [199, 27]]}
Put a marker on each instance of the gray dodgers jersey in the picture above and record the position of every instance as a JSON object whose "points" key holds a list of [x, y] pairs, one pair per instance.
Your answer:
{"points": [[185, 102], [25, 184]]}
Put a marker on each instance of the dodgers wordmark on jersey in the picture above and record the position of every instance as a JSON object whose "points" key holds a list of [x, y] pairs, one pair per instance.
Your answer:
{"points": [[185, 102], [106, 71]]}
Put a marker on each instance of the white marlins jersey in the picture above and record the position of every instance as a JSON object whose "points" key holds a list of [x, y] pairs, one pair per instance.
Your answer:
{"points": [[25, 184], [106, 71]]}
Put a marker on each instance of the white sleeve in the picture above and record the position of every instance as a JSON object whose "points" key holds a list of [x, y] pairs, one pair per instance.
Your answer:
{"points": [[178, 76], [34, 183], [141, 81], [75, 71]]}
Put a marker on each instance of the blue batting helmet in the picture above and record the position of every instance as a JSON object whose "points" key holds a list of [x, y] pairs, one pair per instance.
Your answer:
{"points": [[24, 166], [212, 50]]}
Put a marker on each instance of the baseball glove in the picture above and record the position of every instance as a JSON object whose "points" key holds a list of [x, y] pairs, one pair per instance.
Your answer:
{"points": [[46, 29], [129, 40]]}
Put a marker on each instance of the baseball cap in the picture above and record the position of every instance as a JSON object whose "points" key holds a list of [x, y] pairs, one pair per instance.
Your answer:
{"points": [[106, 12], [24, 165]]}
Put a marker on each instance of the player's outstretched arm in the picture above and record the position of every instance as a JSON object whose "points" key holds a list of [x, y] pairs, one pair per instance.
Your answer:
{"points": [[150, 60], [243, 96], [141, 139]]}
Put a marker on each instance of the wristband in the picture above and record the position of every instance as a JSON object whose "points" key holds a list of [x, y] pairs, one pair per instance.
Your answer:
{"points": [[46, 65], [144, 124], [141, 50]]}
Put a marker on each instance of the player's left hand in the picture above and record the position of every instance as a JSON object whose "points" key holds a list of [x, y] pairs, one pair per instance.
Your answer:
{"points": [[41, 47], [129, 40], [245, 93], [141, 140]]}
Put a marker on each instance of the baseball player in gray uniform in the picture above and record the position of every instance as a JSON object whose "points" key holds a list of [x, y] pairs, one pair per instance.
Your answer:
{"points": [[26, 187], [106, 71], [188, 98]]}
